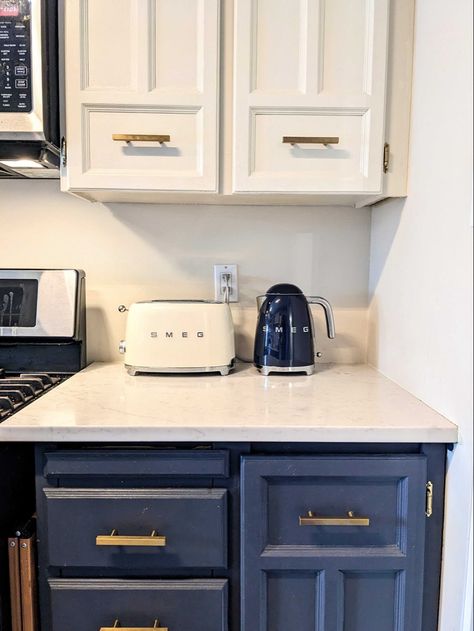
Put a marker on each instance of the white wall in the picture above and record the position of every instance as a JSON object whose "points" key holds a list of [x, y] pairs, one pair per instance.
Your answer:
{"points": [[421, 266], [136, 252]]}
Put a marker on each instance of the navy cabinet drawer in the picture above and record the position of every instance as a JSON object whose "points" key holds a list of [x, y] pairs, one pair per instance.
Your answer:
{"points": [[280, 493], [193, 523], [135, 463], [91, 605]]}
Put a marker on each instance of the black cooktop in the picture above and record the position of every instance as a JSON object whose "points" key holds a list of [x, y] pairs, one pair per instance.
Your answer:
{"points": [[18, 390]]}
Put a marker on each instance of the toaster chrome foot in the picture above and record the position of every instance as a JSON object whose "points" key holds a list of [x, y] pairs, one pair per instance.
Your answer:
{"points": [[144, 370], [268, 370]]}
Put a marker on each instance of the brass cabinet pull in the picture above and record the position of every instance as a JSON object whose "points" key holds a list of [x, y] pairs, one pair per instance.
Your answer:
{"points": [[161, 138], [310, 140], [155, 627], [114, 539], [350, 520]]}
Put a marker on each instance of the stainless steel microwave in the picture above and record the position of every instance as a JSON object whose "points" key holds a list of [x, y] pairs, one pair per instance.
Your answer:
{"points": [[29, 94]]}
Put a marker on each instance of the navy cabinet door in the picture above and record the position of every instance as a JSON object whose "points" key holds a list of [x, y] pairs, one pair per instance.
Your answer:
{"points": [[303, 570]]}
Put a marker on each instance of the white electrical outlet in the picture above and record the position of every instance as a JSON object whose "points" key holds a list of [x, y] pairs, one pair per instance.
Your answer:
{"points": [[226, 276]]}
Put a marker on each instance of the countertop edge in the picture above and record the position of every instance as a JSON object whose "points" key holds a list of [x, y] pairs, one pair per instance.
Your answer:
{"points": [[229, 435], [341, 404]]}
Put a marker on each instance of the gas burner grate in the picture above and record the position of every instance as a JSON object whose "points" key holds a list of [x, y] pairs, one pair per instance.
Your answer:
{"points": [[18, 390]]}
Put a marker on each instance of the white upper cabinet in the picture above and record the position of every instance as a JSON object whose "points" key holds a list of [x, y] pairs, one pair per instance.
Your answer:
{"points": [[309, 95], [237, 101], [142, 95]]}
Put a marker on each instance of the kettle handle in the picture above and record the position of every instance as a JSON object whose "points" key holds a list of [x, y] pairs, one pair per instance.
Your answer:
{"points": [[326, 305]]}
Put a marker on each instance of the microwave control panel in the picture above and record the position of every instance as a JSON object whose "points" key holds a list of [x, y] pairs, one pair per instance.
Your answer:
{"points": [[15, 56]]}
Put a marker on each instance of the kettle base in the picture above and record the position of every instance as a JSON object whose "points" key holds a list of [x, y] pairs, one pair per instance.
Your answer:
{"points": [[268, 370]]}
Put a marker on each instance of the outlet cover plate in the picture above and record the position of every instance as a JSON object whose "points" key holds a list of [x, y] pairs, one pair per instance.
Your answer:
{"points": [[219, 283]]}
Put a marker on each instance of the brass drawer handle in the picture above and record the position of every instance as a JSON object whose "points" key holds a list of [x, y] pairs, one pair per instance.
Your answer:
{"points": [[161, 138], [350, 520], [114, 539], [155, 627], [311, 140]]}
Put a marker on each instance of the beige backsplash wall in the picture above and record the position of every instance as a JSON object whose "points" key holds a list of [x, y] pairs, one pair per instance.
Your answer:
{"points": [[136, 252]]}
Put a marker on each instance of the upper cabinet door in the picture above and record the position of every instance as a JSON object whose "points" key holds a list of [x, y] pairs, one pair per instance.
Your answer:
{"points": [[309, 95], [142, 95]]}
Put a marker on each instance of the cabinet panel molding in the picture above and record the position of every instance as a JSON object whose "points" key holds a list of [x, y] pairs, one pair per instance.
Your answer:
{"points": [[197, 605], [126, 464], [322, 55], [177, 45], [283, 46], [309, 164], [177, 162], [109, 63], [380, 593], [294, 600], [192, 523], [159, 69], [383, 560]]}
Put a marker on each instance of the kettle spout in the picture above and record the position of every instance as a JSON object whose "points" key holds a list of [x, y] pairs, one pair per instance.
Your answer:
{"points": [[326, 305], [260, 301]]}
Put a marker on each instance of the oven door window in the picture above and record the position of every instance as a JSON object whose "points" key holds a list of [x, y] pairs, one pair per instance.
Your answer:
{"points": [[18, 303]]}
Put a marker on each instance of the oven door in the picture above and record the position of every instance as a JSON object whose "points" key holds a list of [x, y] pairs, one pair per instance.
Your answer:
{"points": [[38, 303]]}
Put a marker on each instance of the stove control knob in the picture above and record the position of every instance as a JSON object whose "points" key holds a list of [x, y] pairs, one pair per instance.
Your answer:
{"points": [[123, 347]]}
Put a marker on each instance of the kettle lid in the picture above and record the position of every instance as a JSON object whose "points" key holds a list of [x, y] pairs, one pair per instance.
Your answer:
{"points": [[285, 289]]}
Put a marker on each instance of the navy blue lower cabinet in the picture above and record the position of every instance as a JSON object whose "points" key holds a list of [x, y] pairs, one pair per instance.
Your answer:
{"points": [[333, 543], [238, 537], [97, 605]]}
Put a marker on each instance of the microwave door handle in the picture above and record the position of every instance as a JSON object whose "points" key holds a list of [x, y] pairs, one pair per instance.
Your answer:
{"points": [[326, 305]]}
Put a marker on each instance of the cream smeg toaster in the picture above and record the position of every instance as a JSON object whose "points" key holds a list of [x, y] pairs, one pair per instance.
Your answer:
{"points": [[179, 336]]}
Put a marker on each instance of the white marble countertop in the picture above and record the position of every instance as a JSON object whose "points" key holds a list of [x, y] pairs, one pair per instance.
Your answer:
{"points": [[338, 404]]}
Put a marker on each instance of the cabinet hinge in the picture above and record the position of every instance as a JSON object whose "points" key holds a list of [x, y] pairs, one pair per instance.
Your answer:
{"points": [[63, 152], [386, 157], [429, 499]]}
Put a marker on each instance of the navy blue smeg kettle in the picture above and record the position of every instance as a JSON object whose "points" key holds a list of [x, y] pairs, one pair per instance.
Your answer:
{"points": [[284, 340]]}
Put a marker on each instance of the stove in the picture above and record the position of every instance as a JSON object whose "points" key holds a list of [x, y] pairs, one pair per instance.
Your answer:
{"points": [[17, 391], [42, 333], [42, 343]]}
